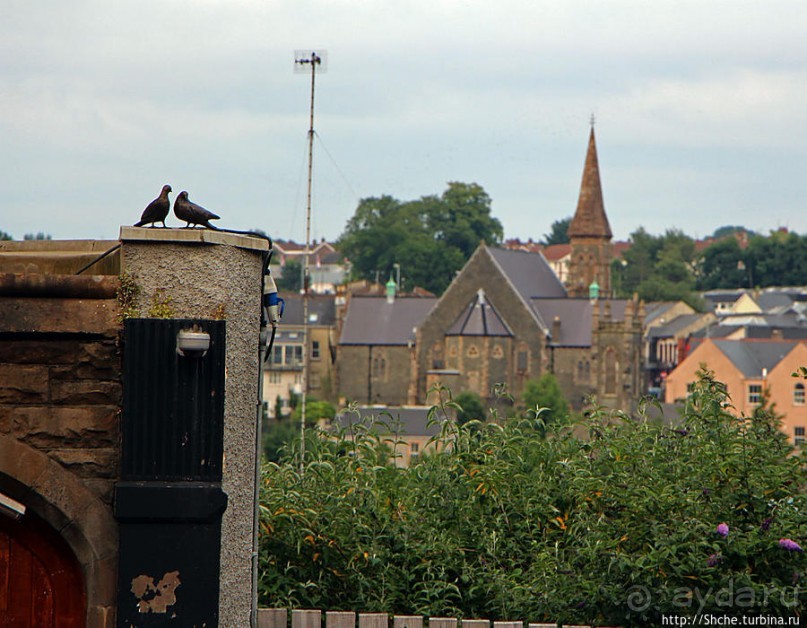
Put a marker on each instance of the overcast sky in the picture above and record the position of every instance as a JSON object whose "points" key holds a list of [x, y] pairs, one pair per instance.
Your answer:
{"points": [[701, 110]]}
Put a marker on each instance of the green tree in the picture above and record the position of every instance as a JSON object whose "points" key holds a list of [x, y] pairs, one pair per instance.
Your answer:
{"points": [[430, 238], [314, 411], [471, 407], [545, 393], [558, 232], [5, 236], [659, 268], [37, 236], [291, 279], [723, 265]]}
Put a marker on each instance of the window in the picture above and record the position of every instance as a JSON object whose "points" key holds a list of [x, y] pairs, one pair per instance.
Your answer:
{"points": [[798, 432], [798, 395], [294, 355], [610, 371], [415, 447], [277, 355], [754, 393], [274, 377], [522, 361], [314, 380], [315, 349], [379, 367]]}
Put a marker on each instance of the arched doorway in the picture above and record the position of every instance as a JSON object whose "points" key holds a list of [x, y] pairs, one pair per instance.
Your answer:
{"points": [[41, 582]]}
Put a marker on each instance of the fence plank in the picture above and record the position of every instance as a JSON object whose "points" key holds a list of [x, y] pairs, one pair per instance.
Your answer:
{"points": [[554, 625], [373, 620], [340, 619], [508, 624], [408, 621], [306, 619], [442, 622], [476, 623], [272, 618]]}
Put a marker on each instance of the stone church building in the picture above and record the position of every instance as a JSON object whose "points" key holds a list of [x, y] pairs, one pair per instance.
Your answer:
{"points": [[505, 319]]}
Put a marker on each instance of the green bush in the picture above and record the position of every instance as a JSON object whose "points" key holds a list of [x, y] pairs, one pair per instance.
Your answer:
{"points": [[505, 523]]}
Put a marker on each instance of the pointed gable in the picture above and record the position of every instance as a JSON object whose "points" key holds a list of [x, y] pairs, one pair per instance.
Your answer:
{"points": [[480, 318], [528, 273], [590, 219], [753, 358]]}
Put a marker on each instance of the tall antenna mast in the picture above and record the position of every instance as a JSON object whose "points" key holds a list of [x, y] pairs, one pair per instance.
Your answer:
{"points": [[301, 60]]}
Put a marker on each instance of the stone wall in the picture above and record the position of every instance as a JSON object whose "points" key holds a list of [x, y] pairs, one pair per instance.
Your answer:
{"points": [[60, 393], [386, 383], [480, 272]]}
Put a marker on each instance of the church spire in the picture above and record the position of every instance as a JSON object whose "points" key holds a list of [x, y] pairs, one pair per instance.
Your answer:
{"points": [[590, 220]]}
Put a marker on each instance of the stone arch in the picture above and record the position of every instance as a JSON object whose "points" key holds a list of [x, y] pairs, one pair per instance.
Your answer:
{"points": [[72, 510]]}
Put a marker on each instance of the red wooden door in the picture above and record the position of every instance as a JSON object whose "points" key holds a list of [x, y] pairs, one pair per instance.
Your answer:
{"points": [[41, 583]]}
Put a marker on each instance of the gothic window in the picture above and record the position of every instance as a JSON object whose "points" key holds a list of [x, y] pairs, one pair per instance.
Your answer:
{"points": [[473, 351], [580, 371], [497, 353], [610, 371], [587, 372], [379, 367], [438, 361], [521, 362]]}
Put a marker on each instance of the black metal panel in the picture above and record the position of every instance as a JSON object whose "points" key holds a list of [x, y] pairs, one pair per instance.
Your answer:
{"points": [[170, 538], [173, 405]]}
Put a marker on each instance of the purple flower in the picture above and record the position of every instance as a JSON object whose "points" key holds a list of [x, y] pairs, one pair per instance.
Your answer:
{"points": [[723, 530], [766, 524], [714, 560], [789, 545]]}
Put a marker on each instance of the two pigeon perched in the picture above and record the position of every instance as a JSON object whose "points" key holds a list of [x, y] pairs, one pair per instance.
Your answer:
{"points": [[191, 213]]}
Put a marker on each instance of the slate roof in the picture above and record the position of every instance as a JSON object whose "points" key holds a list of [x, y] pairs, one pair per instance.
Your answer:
{"points": [[674, 326], [370, 320], [480, 318], [529, 273], [411, 420], [321, 310], [575, 318], [750, 357]]}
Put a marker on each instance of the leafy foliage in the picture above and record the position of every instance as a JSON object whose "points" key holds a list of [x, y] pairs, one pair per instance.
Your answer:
{"points": [[470, 407], [619, 527], [5, 236], [659, 268], [558, 233], [292, 277], [545, 398], [431, 238]]}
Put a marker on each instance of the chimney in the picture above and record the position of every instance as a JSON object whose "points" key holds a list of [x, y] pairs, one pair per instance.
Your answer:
{"points": [[556, 330]]}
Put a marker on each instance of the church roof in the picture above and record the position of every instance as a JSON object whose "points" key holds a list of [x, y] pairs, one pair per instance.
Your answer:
{"points": [[590, 219], [479, 318], [375, 321], [529, 273], [575, 317]]}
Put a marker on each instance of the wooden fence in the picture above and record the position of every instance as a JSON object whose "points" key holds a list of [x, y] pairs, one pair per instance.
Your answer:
{"points": [[278, 618]]}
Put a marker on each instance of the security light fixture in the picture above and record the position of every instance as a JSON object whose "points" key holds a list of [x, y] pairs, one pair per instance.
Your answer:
{"points": [[11, 507], [193, 343]]}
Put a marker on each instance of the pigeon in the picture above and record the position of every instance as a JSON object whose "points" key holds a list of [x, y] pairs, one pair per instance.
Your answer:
{"points": [[192, 213], [157, 210]]}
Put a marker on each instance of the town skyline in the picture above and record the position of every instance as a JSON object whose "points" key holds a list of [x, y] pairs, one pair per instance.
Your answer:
{"points": [[698, 111]]}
